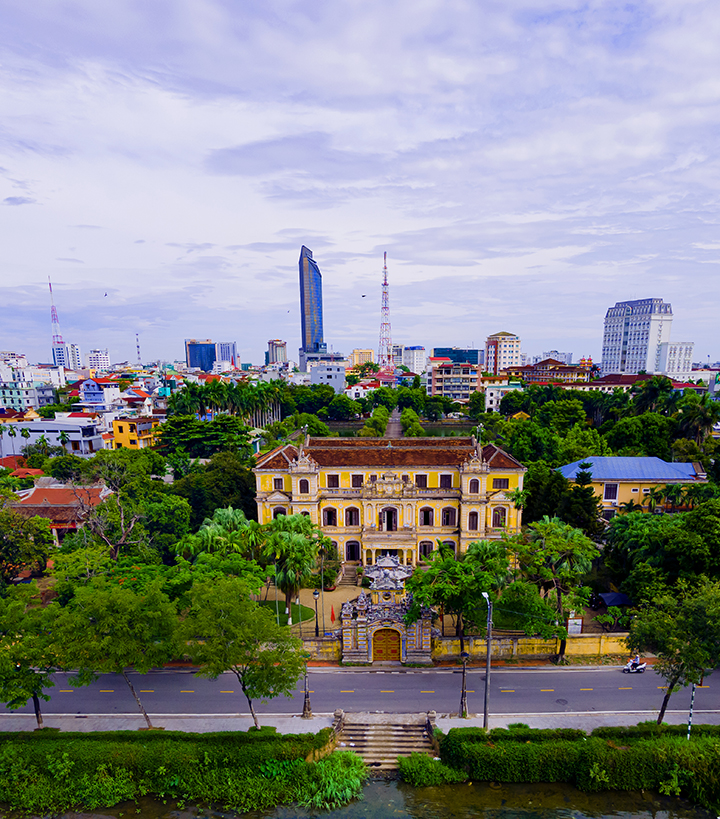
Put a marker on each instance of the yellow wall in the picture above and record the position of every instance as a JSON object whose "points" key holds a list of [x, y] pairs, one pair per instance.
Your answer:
{"points": [[126, 438], [580, 645]]}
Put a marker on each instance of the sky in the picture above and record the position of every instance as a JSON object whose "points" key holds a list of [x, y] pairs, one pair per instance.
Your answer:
{"points": [[524, 164]]}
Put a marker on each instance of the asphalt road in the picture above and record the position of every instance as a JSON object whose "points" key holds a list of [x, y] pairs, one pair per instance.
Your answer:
{"points": [[512, 691]]}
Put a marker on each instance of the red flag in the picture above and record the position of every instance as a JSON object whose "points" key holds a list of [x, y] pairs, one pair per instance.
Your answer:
{"points": [[332, 614]]}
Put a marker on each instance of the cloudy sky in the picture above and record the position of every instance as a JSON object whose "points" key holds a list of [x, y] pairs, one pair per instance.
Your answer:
{"points": [[525, 164]]}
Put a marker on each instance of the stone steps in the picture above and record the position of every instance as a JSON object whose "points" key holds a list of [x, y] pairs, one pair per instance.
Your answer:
{"points": [[380, 744], [349, 576]]}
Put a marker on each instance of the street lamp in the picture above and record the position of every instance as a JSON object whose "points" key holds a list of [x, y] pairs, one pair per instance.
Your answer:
{"points": [[322, 584], [464, 656], [307, 708], [316, 594], [299, 611], [488, 639]]}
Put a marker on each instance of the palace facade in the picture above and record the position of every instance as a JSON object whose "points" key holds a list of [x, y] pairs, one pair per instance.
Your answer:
{"points": [[379, 497]]}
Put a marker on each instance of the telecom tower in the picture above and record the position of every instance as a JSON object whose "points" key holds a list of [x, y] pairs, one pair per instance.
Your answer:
{"points": [[57, 338], [137, 344], [385, 356]]}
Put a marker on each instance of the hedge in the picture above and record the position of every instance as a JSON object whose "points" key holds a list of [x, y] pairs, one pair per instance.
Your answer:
{"points": [[47, 772], [663, 761]]}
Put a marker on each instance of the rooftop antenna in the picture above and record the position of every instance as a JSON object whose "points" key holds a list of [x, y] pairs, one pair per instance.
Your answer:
{"points": [[57, 338], [137, 344], [385, 356]]}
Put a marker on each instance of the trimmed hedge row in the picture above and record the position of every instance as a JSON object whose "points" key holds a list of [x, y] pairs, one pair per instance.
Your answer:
{"points": [[664, 762], [45, 772]]}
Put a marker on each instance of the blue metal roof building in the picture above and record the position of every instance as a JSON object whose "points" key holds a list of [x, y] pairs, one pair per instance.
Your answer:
{"points": [[633, 469]]}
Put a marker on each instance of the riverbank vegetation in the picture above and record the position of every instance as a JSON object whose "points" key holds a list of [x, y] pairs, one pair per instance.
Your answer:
{"points": [[49, 772], [646, 757]]}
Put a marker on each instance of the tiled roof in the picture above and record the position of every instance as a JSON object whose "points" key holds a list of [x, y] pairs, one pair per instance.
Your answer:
{"points": [[389, 453], [633, 469], [24, 472], [12, 462]]}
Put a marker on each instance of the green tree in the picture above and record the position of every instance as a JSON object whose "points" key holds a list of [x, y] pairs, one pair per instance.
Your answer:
{"points": [[456, 583], [562, 415], [105, 629], [25, 543], [555, 556], [648, 434], [342, 408], [292, 543], [545, 487], [27, 661], [225, 631], [582, 442], [579, 505], [682, 629]]}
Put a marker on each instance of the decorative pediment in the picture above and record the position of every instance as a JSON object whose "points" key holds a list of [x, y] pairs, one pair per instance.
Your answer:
{"points": [[474, 465], [304, 464], [278, 497]]}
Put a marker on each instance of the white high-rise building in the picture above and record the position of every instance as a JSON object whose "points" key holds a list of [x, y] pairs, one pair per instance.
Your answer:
{"points": [[98, 360], [502, 350], [68, 356], [634, 334], [676, 359], [414, 359]]}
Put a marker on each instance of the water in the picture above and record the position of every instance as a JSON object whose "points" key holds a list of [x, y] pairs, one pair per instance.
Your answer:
{"points": [[394, 800]]}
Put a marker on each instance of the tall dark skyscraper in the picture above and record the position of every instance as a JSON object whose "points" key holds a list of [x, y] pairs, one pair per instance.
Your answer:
{"points": [[311, 311]]}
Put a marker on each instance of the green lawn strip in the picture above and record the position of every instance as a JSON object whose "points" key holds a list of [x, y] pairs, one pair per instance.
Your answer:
{"points": [[306, 611], [641, 757], [52, 772]]}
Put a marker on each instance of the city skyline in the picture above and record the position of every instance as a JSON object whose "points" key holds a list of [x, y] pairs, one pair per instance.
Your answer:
{"points": [[524, 170]]}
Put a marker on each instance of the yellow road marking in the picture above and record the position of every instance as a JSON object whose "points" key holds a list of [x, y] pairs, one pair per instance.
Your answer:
{"points": [[703, 686], [387, 692], [546, 689], [107, 690], [586, 689], [147, 690], [626, 688], [470, 691], [227, 692], [507, 690], [66, 690], [662, 687], [427, 692], [350, 691], [187, 692]]}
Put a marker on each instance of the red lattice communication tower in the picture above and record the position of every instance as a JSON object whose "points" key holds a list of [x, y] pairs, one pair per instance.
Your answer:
{"points": [[385, 356], [57, 338]]}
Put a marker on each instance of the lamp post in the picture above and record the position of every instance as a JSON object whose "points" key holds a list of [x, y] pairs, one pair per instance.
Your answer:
{"points": [[316, 594], [297, 605], [464, 656], [307, 708], [488, 640]]}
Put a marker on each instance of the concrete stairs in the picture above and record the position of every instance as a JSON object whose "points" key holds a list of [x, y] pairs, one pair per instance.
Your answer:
{"points": [[349, 576], [381, 739]]}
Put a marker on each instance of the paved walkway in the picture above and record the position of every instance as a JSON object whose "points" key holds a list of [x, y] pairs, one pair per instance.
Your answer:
{"points": [[394, 428], [296, 725]]}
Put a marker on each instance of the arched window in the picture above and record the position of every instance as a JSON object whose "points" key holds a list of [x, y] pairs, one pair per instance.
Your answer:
{"points": [[473, 521], [474, 487], [352, 550], [352, 516], [279, 511], [448, 516], [499, 517], [426, 516], [426, 546], [304, 486], [305, 514], [329, 517], [449, 544]]}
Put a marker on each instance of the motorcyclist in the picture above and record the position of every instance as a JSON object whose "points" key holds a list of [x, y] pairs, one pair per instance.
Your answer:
{"points": [[635, 662]]}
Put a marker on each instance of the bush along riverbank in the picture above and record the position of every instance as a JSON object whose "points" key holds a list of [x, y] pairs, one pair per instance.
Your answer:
{"points": [[644, 757], [49, 772]]}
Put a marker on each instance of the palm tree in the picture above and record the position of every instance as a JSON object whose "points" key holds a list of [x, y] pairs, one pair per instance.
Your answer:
{"points": [[649, 395], [697, 417], [674, 494], [12, 434], [655, 496], [64, 438], [630, 506]]}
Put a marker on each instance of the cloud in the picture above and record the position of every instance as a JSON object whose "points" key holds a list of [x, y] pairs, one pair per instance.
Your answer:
{"points": [[18, 200], [65, 259]]}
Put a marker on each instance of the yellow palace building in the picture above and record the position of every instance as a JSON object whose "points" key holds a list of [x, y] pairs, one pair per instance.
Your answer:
{"points": [[392, 497]]}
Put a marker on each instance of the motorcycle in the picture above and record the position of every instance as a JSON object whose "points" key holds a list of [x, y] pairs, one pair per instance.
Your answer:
{"points": [[634, 668]]}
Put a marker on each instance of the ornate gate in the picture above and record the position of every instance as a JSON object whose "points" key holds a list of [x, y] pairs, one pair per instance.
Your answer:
{"points": [[386, 645]]}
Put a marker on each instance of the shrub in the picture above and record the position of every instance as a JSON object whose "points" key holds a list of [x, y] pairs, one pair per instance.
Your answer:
{"points": [[422, 771]]}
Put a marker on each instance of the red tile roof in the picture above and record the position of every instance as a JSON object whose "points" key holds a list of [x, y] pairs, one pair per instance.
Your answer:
{"points": [[24, 472], [12, 462]]}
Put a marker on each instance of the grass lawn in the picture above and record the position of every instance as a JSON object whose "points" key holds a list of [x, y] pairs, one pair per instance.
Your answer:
{"points": [[306, 612]]}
